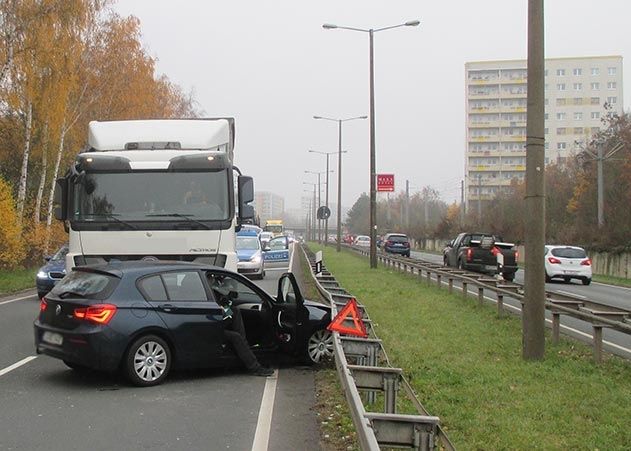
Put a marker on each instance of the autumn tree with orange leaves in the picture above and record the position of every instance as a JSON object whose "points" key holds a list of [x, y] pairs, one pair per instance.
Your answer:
{"points": [[64, 63]]}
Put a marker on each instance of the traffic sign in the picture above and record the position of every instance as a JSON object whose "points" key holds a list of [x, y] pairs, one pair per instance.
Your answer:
{"points": [[385, 182], [337, 325], [324, 212]]}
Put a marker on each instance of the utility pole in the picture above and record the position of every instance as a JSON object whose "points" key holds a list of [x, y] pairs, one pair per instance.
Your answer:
{"points": [[601, 197], [407, 206], [533, 315], [388, 214], [480, 199], [462, 212]]}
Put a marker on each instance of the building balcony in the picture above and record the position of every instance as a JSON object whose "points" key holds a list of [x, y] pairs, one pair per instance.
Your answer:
{"points": [[483, 95], [481, 139], [513, 95], [516, 80], [517, 109], [483, 81], [507, 124], [484, 109]]}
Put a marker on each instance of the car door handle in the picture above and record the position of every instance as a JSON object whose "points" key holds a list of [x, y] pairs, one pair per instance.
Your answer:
{"points": [[167, 307]]}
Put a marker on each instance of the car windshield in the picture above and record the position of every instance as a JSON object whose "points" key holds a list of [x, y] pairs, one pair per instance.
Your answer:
{"points": [[247, 243], [152, 196], [568, 252], [266, 235], [85, 284], [60, 254], [398, 238]]}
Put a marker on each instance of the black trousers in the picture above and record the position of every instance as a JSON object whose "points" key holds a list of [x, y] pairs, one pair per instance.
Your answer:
{"points": [[234, 331]]}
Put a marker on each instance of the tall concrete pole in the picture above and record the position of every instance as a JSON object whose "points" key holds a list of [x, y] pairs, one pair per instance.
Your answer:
{"points": [[326, 202], [601, 199], [462, 211], [338, 244], [480, 199], [407, 206], [533, 316], [373, 170], [319, 205]]}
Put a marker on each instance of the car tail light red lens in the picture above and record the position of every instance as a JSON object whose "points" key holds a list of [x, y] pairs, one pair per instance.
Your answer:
{"points": [[388, 243], [469, 254], [554, 261], [99, 313], [586, 262], [516, 255], [42, 305]]}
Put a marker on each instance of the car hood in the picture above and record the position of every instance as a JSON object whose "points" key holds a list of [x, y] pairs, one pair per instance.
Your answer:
{"points": [[246, 254]]}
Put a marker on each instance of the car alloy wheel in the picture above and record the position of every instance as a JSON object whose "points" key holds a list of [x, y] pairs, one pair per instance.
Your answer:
{"points": [[148, 361], [320, 346]]}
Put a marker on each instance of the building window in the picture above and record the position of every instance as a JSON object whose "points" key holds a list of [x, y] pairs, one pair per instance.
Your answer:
{"points": [[612, 100], [595, 115], [578, 100], [595, 71], [545, 102], [547, 146], [577, 71], [611, 70], [611, 85], [561, 131], [595, 101], [560, 72], [578, 86], [578, 116], [545, 116], [560, 102], [560, 86], [595, 86], [545, 131], [561, 146], [560, 116], [578, 130]]}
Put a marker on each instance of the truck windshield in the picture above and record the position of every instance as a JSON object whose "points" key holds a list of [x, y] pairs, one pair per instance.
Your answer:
{"points": [[152, 196]]}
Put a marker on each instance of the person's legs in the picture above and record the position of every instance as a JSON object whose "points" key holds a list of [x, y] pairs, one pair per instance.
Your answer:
{"points": [[241, 347]]}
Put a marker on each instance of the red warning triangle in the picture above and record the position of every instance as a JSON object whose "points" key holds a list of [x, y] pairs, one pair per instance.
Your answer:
{"points": [[337, 324]]}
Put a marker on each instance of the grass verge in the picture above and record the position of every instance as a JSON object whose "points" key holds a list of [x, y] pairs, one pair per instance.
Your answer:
{"points": [[620, 281], [19, 279], [465, 364]]}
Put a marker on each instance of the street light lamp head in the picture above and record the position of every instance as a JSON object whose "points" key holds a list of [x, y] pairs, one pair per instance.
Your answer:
{"points": [[317, 117], [363, 117], [329, 26], [412, 23]]}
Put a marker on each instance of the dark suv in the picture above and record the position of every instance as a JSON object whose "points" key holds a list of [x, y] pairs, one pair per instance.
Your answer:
{"points": [[396, 243]]}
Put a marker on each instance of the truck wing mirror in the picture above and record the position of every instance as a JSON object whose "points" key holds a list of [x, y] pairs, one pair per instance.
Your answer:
{"points": [[60, 199], [245, 196]]}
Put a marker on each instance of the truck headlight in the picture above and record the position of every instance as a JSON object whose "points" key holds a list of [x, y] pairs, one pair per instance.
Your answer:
{"points": [[42, 275]]}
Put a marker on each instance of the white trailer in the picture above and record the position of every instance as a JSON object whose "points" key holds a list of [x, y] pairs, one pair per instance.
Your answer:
{"points": [[155, 190]]}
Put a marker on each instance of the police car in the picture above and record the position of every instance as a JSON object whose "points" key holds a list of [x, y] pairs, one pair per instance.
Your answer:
{"points": [[250, 254]]}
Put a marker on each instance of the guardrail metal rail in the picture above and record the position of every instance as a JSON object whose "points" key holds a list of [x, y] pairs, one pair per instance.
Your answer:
{"points": [[363, 366], [598, 314]]}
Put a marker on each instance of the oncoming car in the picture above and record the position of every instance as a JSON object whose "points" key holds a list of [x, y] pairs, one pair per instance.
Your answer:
{"points": [[145, 318], [52, 272], [250, 255], [567, 262]]}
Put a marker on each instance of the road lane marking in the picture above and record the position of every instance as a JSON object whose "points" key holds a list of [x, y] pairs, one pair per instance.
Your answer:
{"points": [[291, 259], [17, 299], [570, 294], [264, 423], [611, 286], [276, 269], [17, 365]]}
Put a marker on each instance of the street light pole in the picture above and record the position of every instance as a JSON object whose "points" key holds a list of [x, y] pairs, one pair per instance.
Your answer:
{"points": [[373, 176], [338, 245], [319, 201]]}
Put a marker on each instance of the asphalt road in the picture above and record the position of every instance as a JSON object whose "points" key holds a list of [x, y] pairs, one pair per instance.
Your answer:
{"points": [[46, 406], [613, 341]]}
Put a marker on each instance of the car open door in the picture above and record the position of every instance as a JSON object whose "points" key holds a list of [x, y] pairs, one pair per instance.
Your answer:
{"points": [[290, 314]]}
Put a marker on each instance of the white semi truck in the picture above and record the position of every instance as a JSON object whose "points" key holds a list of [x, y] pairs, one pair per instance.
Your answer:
{"points": [[155, 190]]}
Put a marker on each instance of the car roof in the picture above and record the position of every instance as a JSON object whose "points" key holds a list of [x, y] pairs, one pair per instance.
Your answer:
{"points": [[396, 234], [563, 246], [248, 232]]}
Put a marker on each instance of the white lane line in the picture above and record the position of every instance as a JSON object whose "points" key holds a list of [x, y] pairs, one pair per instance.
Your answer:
{"points": [[17, 299], [291, 259], [264, 423], [277, 269], [17, 365], [570, 293]]}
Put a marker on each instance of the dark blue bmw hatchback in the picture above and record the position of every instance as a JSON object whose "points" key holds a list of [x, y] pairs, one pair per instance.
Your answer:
{"points": [[145, 318]]}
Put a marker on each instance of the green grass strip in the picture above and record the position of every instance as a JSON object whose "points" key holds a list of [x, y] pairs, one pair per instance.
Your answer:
{"points": [[465, 364], [17, 280]]}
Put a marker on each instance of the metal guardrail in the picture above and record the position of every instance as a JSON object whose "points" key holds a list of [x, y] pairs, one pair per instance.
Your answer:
{"points": [[376, 429], [598, 314]]}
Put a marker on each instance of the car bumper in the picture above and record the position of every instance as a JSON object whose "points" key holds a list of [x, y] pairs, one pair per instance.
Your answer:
{"points": [[94, 347], [255, 269], [45, 285], [492, 269], [574, 273], [398, 250]]}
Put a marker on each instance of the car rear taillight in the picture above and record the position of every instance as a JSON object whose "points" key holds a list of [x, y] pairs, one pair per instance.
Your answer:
{"points": [[469, 254], [99, 313], [554, 261], [406, 244], [42, 305], [586, 262], [516, 255], [388, 243]]}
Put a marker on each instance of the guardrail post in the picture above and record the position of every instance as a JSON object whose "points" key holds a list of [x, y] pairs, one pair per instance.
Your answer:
{"points": [[439, 278], [480, 295], [500, 304], [371, 360], [420, 275], [429, 277], [390, 387], [556, 327], [451, 285], [464, 289], [598, 343]]}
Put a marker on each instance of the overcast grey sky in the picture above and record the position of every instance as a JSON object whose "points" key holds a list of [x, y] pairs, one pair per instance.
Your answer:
{"points": [[272, 67]]}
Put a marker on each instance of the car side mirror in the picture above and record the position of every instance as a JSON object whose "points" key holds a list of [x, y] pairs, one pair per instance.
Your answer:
{"points": [[245, 196], [60, 199]]}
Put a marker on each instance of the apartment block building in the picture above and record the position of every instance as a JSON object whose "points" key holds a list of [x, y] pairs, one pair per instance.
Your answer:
{"points": [[576, 91], [268, 205]]}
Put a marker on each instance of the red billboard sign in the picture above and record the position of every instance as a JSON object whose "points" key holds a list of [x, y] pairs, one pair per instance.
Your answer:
{"points": [[385, 182]]}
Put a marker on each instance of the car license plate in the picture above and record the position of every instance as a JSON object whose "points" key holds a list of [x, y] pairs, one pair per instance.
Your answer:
{"points": [[570, 272], [491, 267], [398, 245], [53, 338]]}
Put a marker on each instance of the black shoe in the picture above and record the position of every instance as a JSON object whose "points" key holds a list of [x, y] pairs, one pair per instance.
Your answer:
{"points": [[262, 371]]}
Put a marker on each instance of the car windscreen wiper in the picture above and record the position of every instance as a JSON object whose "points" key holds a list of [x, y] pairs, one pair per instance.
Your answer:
{"points": [[65, 294], [178, 215], [113, 216]]}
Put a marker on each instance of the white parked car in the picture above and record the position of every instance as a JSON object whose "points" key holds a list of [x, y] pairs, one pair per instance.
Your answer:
{"points": [[362, 241], [567, 262]]}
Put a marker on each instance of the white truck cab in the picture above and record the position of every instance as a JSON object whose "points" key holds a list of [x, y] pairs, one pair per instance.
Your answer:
{"points": [[155, 190]]}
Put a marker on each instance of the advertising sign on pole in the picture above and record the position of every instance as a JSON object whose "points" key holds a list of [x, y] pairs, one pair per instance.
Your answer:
{"points": [[385, 182]]}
